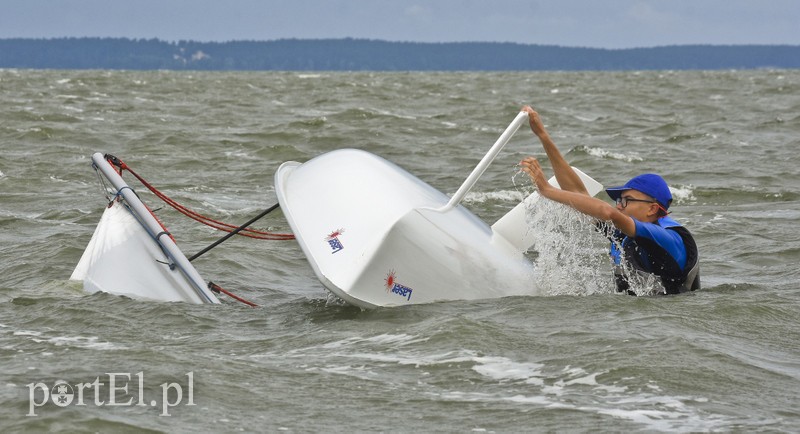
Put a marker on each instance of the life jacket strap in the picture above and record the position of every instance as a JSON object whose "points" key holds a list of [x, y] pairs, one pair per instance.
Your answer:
{"points": [[692, 281]]}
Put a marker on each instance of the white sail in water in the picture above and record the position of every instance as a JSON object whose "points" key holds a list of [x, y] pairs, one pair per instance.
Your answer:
{"points": [[126, 256], [123, 259]]}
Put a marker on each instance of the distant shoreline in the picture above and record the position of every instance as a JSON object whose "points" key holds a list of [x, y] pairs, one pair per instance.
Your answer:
{"points": [[376, 55]]}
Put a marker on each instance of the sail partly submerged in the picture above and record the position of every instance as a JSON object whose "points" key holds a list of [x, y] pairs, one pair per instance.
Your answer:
{"points": [[131, 254], [123, 259]]}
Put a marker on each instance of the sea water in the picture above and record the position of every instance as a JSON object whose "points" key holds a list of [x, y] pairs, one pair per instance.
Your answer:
{"points": [[570, 356]]}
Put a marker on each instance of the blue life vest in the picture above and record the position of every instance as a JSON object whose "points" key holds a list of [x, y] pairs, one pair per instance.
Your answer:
{"points": [[672, 256]]}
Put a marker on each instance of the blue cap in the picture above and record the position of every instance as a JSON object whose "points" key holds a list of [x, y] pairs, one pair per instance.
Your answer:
{"points": [[649, 184]]}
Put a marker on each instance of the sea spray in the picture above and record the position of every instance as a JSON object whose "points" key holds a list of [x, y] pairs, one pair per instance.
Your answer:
{"points": [[571, 253], [571, 256]]}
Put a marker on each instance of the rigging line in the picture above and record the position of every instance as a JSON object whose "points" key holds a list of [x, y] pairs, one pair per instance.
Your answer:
{"points": [[216, 288], [234, 232], [105, 188], [226, 227]]}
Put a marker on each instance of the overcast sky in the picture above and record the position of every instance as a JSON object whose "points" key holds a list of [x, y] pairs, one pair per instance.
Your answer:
{"points": [[589, 23]]}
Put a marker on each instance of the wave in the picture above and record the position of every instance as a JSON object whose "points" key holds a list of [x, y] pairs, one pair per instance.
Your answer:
{"points": [[84, 342], [491, 378], [682, 194], [603, 153]]}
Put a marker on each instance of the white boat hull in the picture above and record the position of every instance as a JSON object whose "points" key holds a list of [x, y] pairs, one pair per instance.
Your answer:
{"points": [[375, 235]]}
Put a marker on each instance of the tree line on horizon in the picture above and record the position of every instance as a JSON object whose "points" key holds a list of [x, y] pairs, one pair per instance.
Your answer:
{"points": [[376, 55]]}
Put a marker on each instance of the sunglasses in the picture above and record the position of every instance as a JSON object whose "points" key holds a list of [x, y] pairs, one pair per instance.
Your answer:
{"points": [[623, 201]]}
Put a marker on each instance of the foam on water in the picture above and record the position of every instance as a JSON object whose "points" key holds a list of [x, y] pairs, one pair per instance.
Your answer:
{"points": [[531, 384], [603, 153], [382, 339], [683, 193], [497, 379], [86, 342], [238, 153], [504, 369]]}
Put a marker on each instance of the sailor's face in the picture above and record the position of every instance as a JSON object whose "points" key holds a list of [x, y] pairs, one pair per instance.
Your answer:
{"points": [[637, 205]]}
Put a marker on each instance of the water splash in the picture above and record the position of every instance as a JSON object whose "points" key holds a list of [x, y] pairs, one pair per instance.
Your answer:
{"points": [[639, 284], [332, 299], [642, 284], [571, 255]]}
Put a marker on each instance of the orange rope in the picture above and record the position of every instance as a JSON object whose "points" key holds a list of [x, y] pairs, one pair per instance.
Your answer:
{"points": [[216, 288], [226, 227]]}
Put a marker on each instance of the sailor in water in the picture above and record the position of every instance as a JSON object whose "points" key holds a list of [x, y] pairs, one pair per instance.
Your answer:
{"points": [[642, 233]]}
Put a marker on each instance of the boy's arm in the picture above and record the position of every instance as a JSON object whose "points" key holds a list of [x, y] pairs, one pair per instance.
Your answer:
{"points": [[567, 178]]}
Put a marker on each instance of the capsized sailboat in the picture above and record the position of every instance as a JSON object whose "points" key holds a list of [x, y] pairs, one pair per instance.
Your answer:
{"points": [[375, 235]]}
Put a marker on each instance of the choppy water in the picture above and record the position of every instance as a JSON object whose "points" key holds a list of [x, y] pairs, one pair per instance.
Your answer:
{"points": [[726, 358]]}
